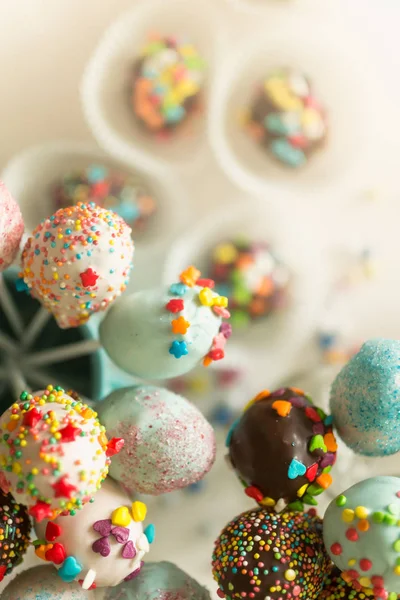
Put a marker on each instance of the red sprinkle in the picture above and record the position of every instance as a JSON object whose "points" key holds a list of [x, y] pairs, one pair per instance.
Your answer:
{"points": [[69, 433], [253, 492], [352, 534], [312, 414], [56, 554], [176, 305], [210, 283], [40, 511], [3, 570], [365, 564], [92, 587], [53, 531], [88, 278], [32, 417], [311, 472], [217, 354], [336, 549], [114, 446]]}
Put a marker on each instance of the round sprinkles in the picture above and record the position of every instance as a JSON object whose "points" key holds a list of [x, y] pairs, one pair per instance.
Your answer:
{"points": [[77, 262], [54, 452], [123, 193], [266, 556], [15, 529], [335, 588]]}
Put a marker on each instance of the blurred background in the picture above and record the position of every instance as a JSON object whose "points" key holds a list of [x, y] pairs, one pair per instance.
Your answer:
{"points": [[297, 220]]}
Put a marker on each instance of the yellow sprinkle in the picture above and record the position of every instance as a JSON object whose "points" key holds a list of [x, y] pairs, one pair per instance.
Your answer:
{"points": [[121, 516], [348, 515], [17, 468], [365, 582], [290, 575], [206, 297], [268, 501], [352, 562], [23, 443], [396, 570], [139, 511], [220, 301], [361, 512], [302, 490]]}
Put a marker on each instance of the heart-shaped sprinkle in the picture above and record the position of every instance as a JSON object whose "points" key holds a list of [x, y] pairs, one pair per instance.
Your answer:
{"points": [[102, 546], [296, 469], [311, 472], [41, 550], [297, 401], [129, 551], [103, 527], [142, 543], [253, 492], [70, 569], [134, 573], [139, 511], [317, 443], [150, 533], [312, 414], [121, 534], [318, 428], [328, 460], [56, 554], [121, 516], [53, 531], [282, 407]]}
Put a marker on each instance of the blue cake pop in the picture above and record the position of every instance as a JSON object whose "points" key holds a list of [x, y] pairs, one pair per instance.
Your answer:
{"points": [[365, 399]]}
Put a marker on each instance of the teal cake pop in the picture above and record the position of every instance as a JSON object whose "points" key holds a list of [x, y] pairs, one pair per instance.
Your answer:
{"points": [[365, 399], [166, 332], [43, 583], [362, 536], [159, 581]]}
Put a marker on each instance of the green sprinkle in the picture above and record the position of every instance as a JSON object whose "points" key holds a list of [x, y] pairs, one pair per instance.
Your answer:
{"points": [[341, 500], [396, 546], [389, 520], [378, 517], [315, 490], [393, 509]]}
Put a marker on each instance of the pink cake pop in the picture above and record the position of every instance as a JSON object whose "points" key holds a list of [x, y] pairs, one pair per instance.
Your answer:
{"points": [[11, 227]]}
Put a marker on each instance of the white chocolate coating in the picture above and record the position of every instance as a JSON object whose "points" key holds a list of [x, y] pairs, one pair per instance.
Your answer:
{"points": [[77, 262]]}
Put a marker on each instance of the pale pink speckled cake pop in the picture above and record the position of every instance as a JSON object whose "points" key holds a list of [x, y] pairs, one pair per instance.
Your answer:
{"points": [[11, 227]]}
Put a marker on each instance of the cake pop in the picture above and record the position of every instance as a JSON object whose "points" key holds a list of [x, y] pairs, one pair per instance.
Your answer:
{"points": [[336, 588], [263, 555], [283, 449], [42, 583], [15, 528], [100, 546], [77, 262], [125, 194], [159, 581], [11, 227], [365, 399], [252, 278], [287, 119], [168, 442], [166, 84], [362, 535], [53, 452], [163, 333]]}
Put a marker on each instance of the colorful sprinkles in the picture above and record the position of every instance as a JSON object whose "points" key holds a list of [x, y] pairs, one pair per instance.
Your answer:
{"points": [[123, 193], [265, 556], [15, 528], [167, 81], [206, 297], [77, 262], [53, 452], [287, 118]]}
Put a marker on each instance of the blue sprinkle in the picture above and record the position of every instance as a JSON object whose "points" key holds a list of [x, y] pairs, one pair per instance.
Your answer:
{"points": [[286, 153], [150, 533], [68, 231], [37, 251], [178, 349], [53, 244], [221, 415], [178, 289], [20, 285], [230, 432], [328, 420], [78, 256]]}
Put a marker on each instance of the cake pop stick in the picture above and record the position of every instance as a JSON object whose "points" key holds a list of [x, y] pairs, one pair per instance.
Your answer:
{"points": [[35, 327], [62, 353], [7, 343], [17, 379], [9, 309]]}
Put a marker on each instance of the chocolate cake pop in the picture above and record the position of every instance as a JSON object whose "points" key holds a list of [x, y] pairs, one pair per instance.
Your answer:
{"points": [[102, 545], [167, 80], [267, 556], [336, 588], [53, 452], [123, 193], [11, 227], [287, 119], [77, 262], [283, 448], [15, 528]]}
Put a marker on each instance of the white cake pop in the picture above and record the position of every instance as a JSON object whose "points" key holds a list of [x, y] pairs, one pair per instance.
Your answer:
{"points": [[53, 452], [102, 545], [11, 227], [77, 262], [42, 583], [163, 333]]}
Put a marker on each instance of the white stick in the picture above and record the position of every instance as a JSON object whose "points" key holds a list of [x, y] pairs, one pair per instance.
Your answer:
{"points": [[7, 343], [62, 353], [35, 327], [9, 308], [17, 380]]}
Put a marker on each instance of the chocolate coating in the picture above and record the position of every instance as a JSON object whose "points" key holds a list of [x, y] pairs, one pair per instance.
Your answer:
{"points": [[276, 455], [15, 528], [262, 555]]}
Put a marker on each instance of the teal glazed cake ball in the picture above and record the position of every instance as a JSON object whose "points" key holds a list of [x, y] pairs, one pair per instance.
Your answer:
{"points": [[362, 536], [168, 443], [43, 583], [267, 556], [164, 333], [159, 581], [365, 399]]}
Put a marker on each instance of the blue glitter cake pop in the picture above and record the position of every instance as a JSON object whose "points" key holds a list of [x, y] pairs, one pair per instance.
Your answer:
{"points": [[365, 399]]}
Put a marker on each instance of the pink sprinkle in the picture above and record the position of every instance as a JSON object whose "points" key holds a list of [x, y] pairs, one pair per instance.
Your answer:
{"points": [[296, 590], [222, 312]]}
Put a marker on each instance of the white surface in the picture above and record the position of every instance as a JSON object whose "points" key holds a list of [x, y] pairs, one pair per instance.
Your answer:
{"points": [[44, 48]]}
